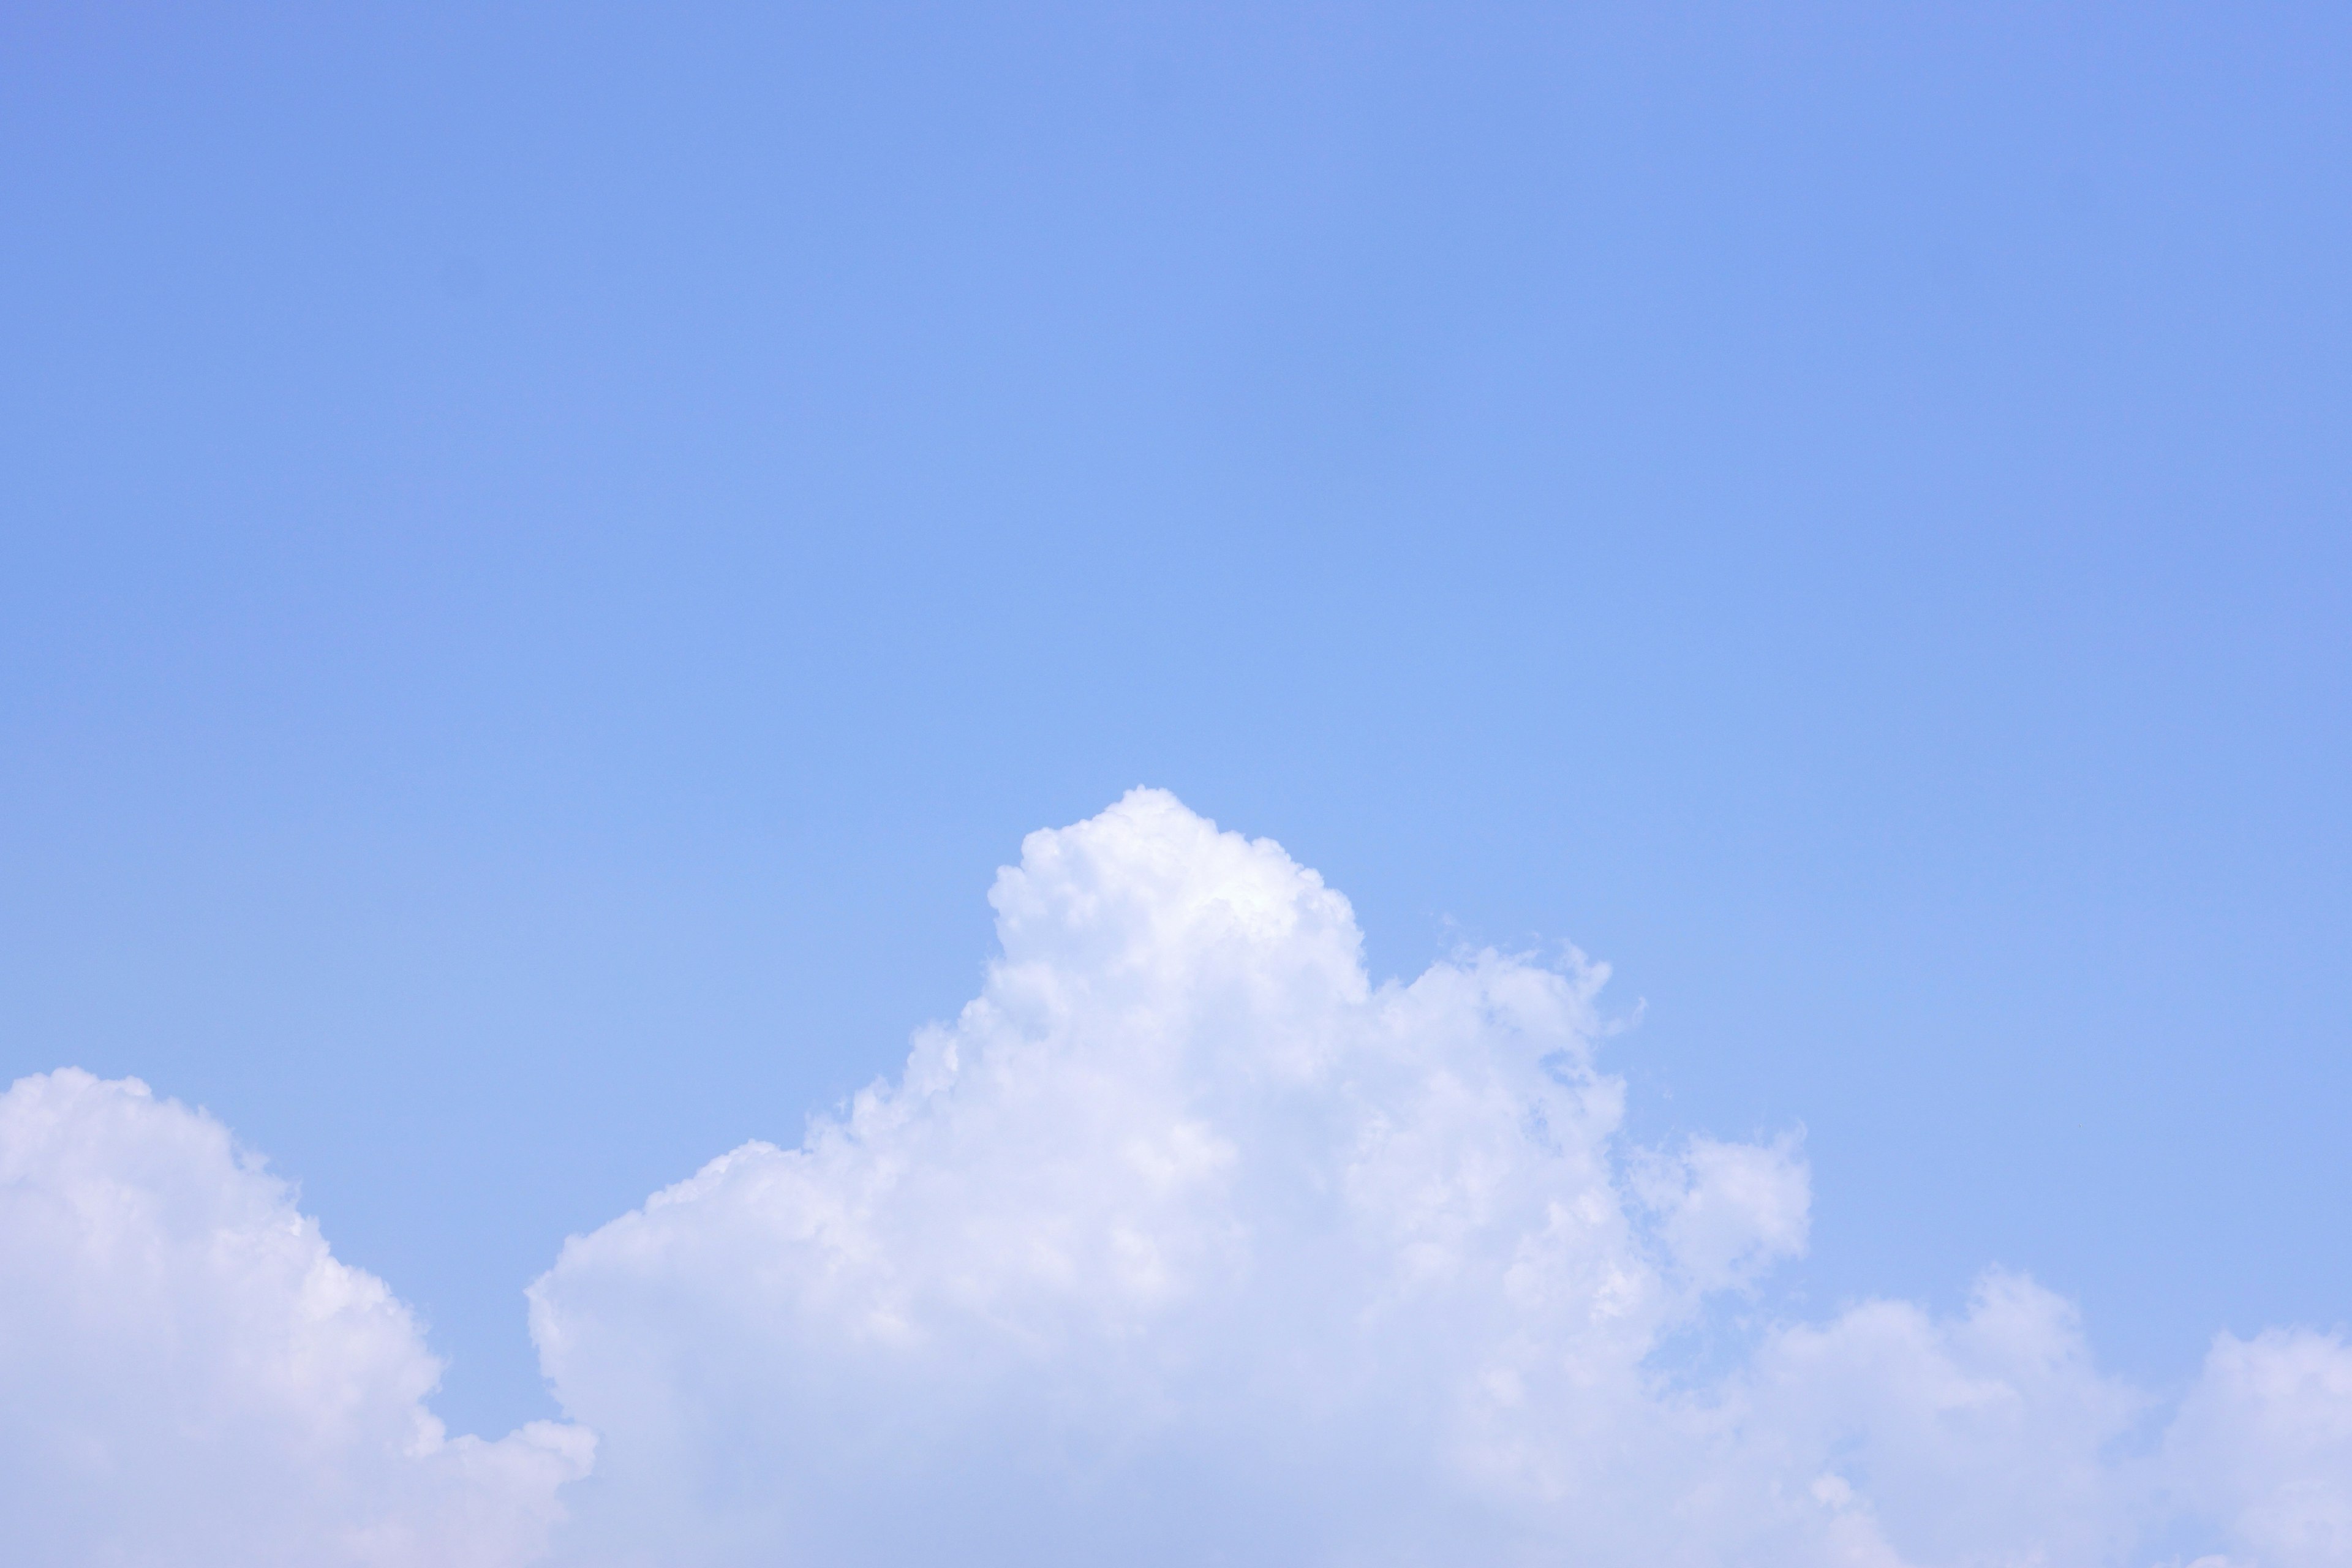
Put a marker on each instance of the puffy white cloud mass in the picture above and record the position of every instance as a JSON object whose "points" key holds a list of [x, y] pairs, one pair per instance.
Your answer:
{"points": [[188, 1376], [1186, 1244], [1183, 1243]]}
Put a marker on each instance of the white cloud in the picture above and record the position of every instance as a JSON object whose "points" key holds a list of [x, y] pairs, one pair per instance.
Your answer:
{"points": [[1185, 1243], [1182, 1244], [1990, 1438], [2265, 1442], [188, 1377]]}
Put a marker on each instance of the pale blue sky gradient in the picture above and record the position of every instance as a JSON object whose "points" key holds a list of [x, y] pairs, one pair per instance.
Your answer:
{"points": [[547, 553]]}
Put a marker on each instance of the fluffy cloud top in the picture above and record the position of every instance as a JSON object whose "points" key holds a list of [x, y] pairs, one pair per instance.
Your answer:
{"points": [[188, 1376], [1183, 1243], [1187, 1244]]}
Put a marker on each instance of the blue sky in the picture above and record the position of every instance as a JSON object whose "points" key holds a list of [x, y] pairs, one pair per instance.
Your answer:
{"points": [[547, 555]]}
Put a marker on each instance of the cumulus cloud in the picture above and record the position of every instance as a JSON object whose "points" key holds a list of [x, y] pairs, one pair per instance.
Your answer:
{"points": [[188, 1376], [2265, 1442], [1987, 1438], [1186, 1243], [1183, 1243]]}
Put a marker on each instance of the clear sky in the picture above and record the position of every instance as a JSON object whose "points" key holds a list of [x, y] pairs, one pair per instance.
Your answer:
{"points": [[547, 554]]}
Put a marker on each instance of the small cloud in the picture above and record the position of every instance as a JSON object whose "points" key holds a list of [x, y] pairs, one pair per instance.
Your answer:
{"points": [[188, 1375]]}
